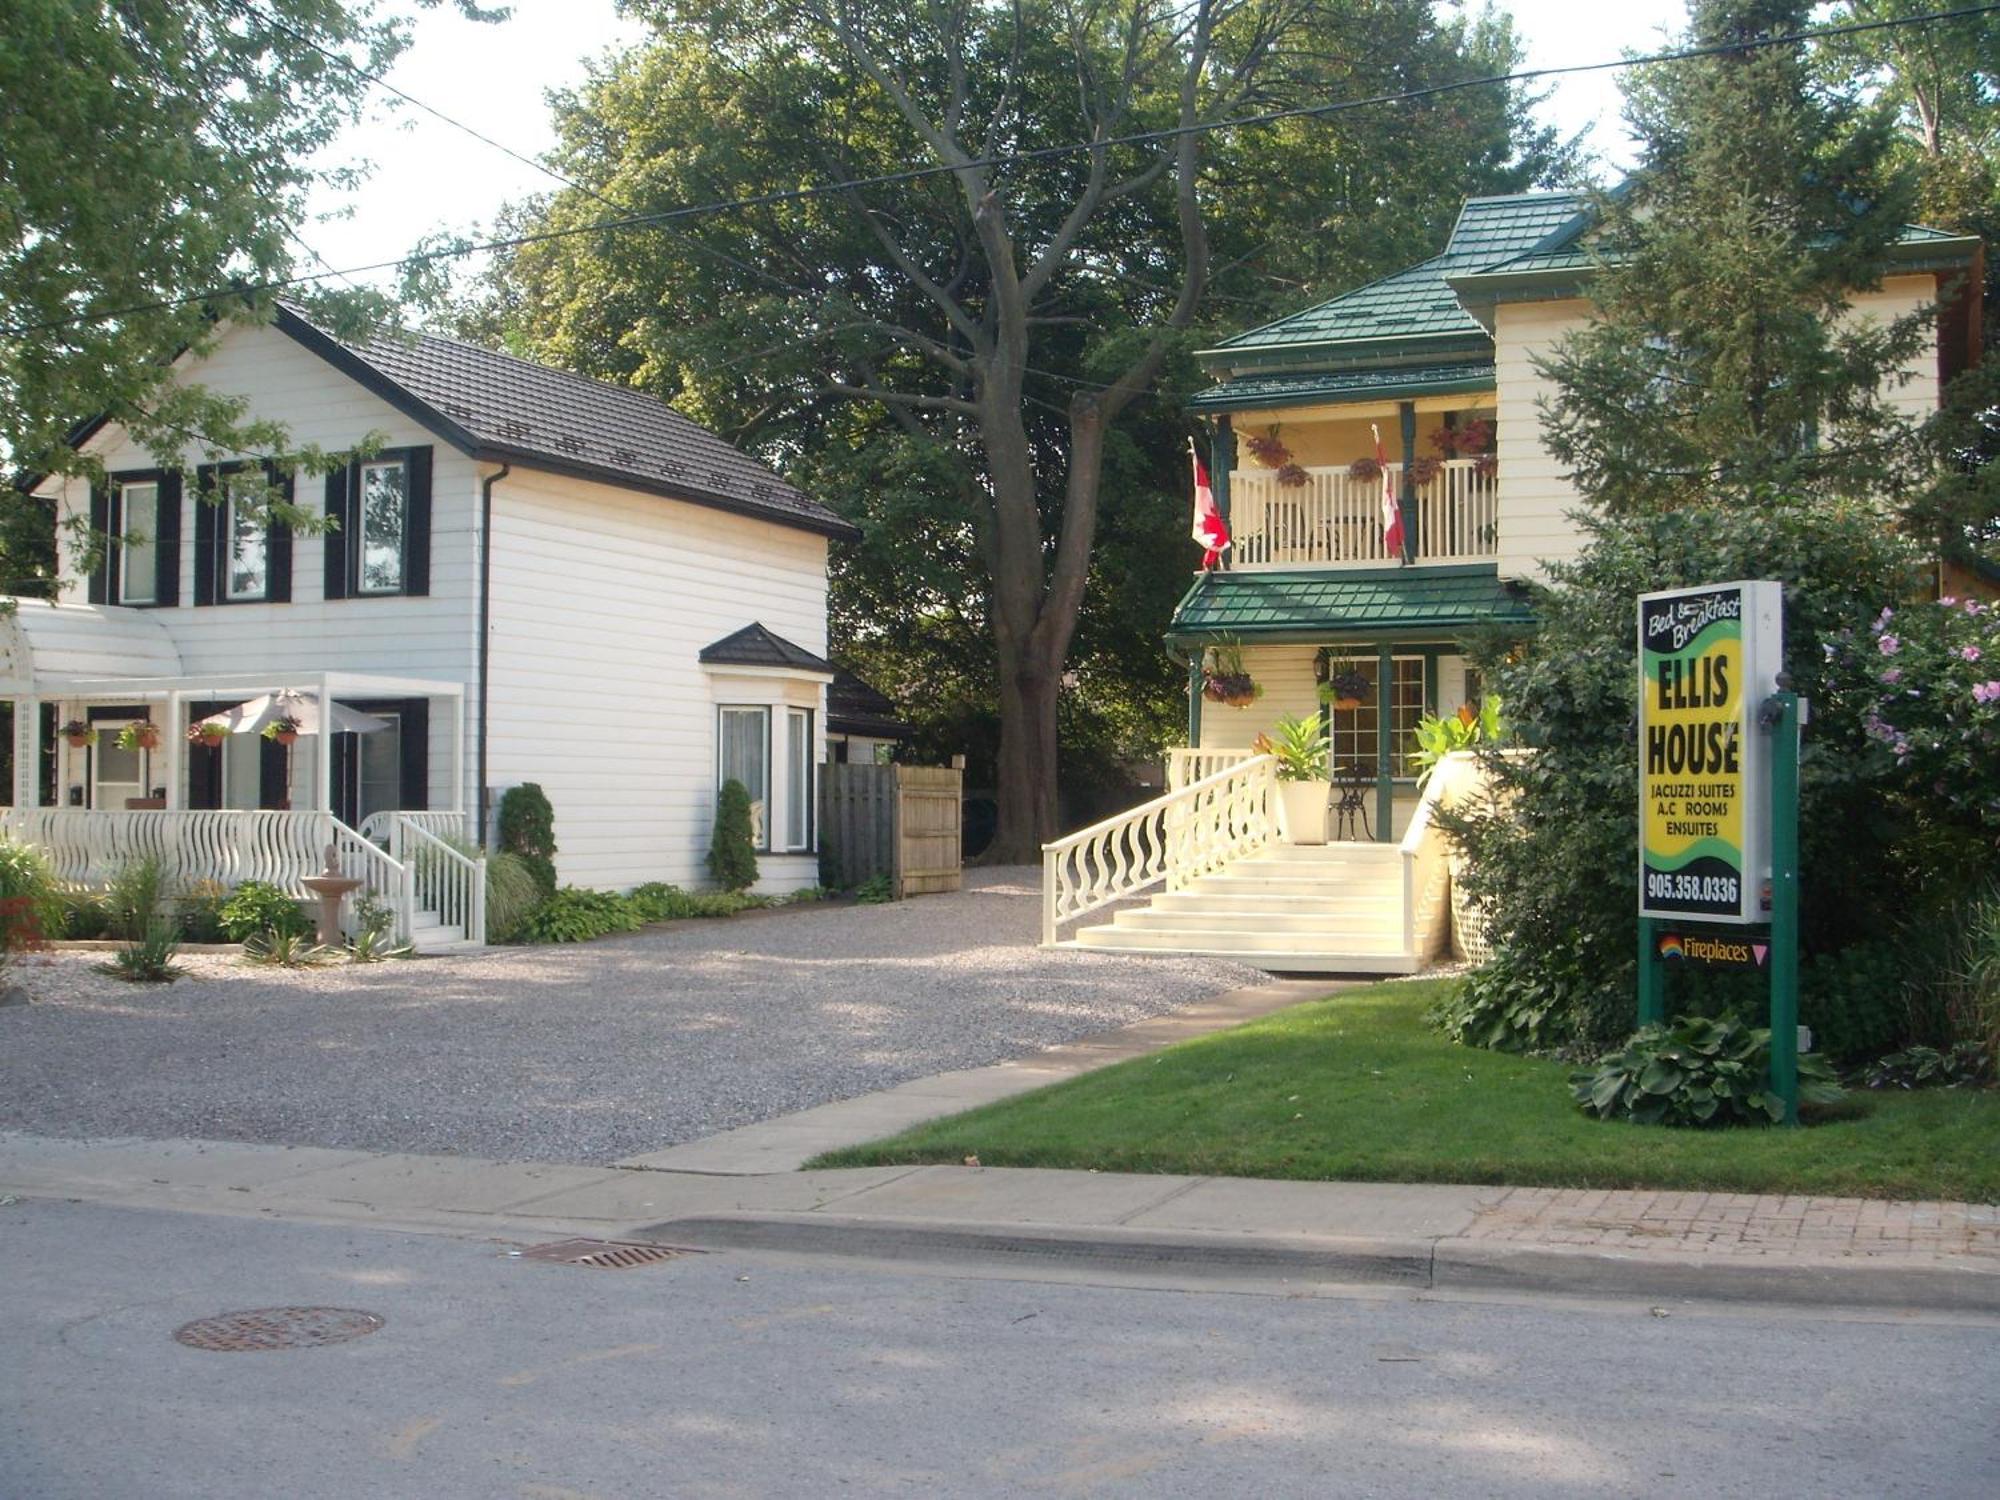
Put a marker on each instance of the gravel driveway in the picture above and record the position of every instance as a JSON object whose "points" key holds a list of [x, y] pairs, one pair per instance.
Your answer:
{"points": [[583, 1053]]}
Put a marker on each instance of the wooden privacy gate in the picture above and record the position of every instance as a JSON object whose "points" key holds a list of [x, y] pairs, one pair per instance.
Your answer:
{"points": [[902, 822]]}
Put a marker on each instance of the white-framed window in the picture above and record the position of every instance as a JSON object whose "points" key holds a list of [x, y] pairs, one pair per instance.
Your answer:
{"points": [[242, 788], [383, 526], [744, 754], [798, 778], [246, 570], [138, 551], [1353, 734]]}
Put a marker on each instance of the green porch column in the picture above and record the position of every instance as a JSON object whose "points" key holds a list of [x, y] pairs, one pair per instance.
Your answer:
{"points": [[1407, 411], [1221, 459], [1194, 700], [1385, 787]]}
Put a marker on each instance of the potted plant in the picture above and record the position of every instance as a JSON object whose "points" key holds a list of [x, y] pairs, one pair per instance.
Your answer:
{"points": [[140, 734], [1364, 470], [284, 730], [210, 735], [1299, 746], [1267, 450], [78, 733], [1347, 689], [1424, 470], [1293, 476], [1225, 679]]}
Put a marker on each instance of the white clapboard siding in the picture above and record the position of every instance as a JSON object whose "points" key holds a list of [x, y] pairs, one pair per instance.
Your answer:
{"points": [[602, 602]]}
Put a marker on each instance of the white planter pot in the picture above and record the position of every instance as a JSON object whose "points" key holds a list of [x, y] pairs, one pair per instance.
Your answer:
{"points": [[1305, 810]]}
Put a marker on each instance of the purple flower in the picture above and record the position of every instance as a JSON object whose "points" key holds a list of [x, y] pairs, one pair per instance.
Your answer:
{"points": [[1986, 692], [1888, 645], [1969, 653], [1893, 676], [1902, 749], [1884, 618], [1948, 600]]}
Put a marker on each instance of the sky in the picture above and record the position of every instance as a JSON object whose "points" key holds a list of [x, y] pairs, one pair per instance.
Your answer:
{"points": [[429, 177]]}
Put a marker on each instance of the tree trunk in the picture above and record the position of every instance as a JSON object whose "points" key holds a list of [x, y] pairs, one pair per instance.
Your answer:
{"points": [[1027, 781]]}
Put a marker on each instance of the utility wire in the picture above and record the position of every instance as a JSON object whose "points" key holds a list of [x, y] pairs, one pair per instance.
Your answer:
{"points": [[998, 159]]}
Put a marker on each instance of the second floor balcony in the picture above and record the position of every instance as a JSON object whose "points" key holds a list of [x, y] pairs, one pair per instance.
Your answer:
{"points": [[1335, 520]]}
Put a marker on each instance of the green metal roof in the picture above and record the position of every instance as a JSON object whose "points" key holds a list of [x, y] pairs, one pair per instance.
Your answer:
{"points": [[1309, 605], [1415, 303], [1395, 383]]}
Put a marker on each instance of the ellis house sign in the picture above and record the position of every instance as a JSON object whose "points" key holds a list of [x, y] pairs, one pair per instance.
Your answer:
{"points": [[1708, 657]]}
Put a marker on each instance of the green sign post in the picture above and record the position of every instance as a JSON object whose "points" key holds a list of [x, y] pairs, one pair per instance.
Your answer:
{"points": [[1719, 801]]}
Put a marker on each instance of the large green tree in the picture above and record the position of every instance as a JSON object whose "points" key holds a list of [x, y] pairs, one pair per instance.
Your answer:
{"points": [[959, 360], [152, 152], [1724, 418]]}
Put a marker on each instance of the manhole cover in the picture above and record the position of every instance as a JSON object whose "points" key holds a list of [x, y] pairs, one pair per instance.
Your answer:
{"points": [[276, 1328], [605, 1255]]}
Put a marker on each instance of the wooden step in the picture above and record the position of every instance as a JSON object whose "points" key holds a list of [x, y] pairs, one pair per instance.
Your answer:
{"points": [[1233, 940]]}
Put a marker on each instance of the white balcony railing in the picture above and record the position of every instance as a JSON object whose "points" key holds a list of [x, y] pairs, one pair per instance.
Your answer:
{"points": [[1335, 520]]}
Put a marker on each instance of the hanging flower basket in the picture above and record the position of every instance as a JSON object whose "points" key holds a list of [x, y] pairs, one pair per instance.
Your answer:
{"points": [[142, 734], [1267, 450], [1424, 470], [79, 734], [284, 731], [1345, 690], [1292, 476], [210, 735], [1364, 469], [1486, 465]]}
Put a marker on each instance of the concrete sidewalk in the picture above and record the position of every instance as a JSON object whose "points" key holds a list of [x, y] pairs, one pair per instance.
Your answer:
{"points": [[1942, 1257]]}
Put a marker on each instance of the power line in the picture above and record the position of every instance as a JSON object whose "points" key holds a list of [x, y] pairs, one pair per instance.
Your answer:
{"points": [[996, 160]]}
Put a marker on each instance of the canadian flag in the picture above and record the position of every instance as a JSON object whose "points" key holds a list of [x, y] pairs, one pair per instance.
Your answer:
{"points": [[1209, 527], [1392, 513]]}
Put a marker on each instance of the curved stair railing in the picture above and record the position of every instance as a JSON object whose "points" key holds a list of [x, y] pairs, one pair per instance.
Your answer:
{"points": [[444, 881], [1173, 839]]}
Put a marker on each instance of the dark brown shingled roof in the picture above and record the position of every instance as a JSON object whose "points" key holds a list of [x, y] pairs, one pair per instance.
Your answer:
{"points": [[497, 407], [854, 707], [755, 646]]}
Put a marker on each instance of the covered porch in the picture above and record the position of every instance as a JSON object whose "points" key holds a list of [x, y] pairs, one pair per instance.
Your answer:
{"points": [[107, 768]]}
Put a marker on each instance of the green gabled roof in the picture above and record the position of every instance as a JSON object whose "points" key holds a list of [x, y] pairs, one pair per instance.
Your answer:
{"points": [[1312, 605], [1394, 383], [1414, 303]]}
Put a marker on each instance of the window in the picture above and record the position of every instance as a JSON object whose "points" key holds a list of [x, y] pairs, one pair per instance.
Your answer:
{"points": [[379, 774], [247, 571], [242, 772], [385, 518], [138, 553], [798, 778], [1354, 736], [746, 757]]}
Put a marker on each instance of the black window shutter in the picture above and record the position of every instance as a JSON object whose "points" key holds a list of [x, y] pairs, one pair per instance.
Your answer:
{"points": [[207, 535], [417, 525], [278, 549], [273, 768], [167, 542], [416, 752], [339, 542], [100, 531]]}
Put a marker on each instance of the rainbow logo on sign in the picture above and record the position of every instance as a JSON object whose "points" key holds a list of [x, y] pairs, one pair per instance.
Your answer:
{"points": [[1670, 947]]}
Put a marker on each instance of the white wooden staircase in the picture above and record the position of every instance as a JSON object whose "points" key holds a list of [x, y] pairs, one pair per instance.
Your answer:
{"points": [[1207, 870]]}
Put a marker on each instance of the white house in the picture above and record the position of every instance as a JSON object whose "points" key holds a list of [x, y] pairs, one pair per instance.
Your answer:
{"points": [[533, 577], [1437, 363]]}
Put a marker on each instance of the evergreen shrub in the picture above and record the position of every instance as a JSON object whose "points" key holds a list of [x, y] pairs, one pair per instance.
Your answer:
{"points": [[528, 829], [732, 848]]}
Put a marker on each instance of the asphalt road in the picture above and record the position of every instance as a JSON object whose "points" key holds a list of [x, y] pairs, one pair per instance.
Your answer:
{"points": [[728, 1375]]}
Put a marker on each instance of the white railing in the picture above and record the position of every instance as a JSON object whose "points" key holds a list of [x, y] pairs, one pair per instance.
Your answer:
{"points": [[1185, 767], [88, 847], [444, 825], [444, 882], [1173, 839], [382, 877], [1335, 520]]}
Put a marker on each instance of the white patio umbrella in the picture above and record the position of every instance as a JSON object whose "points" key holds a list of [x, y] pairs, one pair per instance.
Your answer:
{"points": [[256, 715]]}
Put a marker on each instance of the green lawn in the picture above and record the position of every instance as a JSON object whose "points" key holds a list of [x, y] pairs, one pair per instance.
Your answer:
{"points": [[1357, 1087]]}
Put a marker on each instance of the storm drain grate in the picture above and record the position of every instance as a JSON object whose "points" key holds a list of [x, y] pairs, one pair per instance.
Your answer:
{"points": [[605, 1255], [276, 1328]]}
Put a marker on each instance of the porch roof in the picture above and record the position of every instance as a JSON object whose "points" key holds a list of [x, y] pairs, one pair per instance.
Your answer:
{"points": [[1312, 606], [142, 688], [1301, 388], [45, 645]]}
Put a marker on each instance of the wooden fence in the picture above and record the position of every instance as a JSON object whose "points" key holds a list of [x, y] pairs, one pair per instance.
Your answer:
{"points": [[902, 822]]}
